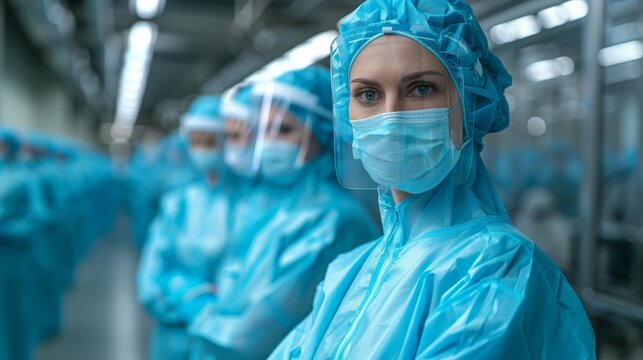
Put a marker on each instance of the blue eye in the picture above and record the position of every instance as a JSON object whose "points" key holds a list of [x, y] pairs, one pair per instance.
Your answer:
{"points": [[367, 96], [422, 90]]}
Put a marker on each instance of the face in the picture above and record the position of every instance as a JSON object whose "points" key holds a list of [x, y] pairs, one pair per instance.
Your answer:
{"points": [[395, 73], [203, 140], [237, 133], [284, 127]]}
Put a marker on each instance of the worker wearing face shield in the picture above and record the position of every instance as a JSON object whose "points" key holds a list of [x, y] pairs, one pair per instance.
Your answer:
{"points": [[187, 240], [308, 221]]}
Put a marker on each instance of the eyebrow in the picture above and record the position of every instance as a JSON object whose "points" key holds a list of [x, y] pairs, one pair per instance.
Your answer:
{"points": [[419, 74], [405, 78], [365, 81]]}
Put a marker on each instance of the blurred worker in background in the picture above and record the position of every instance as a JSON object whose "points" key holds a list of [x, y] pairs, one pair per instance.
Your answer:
{"points": [[153, 170], [189, 236]]}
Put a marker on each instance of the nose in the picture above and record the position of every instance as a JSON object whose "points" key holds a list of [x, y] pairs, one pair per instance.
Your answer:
{"points": [[393, 102]]}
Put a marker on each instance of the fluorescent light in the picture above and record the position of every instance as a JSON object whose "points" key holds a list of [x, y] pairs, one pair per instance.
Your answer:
{"points": [[147, 9], [577, 9], [127, 112], [552, 17], [133, 79], [621, 53], [563, 13], [549, 69], [141, 35], [299, 57], [131, 85], [516, 29], [530, 25]]}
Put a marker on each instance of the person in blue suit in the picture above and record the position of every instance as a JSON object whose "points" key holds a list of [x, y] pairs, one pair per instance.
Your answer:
{"points": [[416, 89], [306, 220], [176, 277], [154, 170]]}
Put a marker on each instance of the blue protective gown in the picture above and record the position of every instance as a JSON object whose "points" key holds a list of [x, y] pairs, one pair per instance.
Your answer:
{"points": [[266, 292], [155, 170], [178, 267], [23, 216], [450, 279]]}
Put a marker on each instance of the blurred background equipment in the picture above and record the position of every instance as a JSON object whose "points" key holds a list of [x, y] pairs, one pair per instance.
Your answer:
{"points": [[82, 79]]}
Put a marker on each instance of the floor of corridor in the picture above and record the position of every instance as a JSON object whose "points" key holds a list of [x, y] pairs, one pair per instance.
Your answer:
{"points": [[101, 318]]}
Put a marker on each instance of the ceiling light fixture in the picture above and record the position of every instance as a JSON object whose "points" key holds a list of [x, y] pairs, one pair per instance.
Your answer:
{"points": [[133, 79], [148, 9]]}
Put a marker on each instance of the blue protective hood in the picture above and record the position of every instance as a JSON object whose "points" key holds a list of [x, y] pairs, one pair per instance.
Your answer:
{"points": [[443, 27], [204, 114]]}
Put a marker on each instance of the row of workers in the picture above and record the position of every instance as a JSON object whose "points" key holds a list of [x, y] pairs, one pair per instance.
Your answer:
{"points": [[267, 256], [242, 248], [56, 198]]}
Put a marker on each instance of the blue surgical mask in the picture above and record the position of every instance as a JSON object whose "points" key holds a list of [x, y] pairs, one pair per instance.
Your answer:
{"points": [[279, 162], [206, 160], [409, 151], [239, 159]]}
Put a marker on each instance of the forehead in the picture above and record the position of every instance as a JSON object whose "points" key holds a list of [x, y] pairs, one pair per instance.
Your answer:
{"points": [[395, 54], [278, 113], [198, 134]]}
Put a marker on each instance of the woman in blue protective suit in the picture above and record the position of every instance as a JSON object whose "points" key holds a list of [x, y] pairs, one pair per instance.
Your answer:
{"points": [[416, 88], [176, 277], [268, 286]]}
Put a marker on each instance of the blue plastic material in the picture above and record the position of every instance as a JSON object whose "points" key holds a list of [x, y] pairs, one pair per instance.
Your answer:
{"points": [[285, 236], [177, 273], [451, 278]]}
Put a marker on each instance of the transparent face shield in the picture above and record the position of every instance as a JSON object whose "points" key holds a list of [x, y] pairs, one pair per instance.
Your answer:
{"points": [[399, 119], [241, 135], [284, 142]]}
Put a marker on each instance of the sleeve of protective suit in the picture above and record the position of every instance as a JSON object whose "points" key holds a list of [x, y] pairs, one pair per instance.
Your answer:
{"points": [[278, 306], [169, 293], [293, 340], [495, 319]]}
